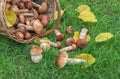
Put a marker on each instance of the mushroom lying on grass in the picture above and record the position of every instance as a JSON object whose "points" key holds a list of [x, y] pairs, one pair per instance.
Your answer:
{"points": [[36, 54], [63, 59]]}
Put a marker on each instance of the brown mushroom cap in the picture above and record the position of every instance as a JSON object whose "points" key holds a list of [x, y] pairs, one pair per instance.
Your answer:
{"points": [[59, 45], [81, 43], [61, 59], [60, 37], [74, 47], [69, 41], [36, 51]]}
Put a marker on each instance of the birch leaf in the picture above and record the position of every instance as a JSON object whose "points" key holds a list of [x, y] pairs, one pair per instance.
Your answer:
{"points": [[10, 17], [56, 13], [76, 36], [83, 8], [88, 57], [103, 37], [87, 16]]}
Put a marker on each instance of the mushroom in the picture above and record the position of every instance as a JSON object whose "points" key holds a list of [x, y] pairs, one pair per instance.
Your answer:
{"points": [[45, 46], [19, 35], [28, 35], [37, 26], [58, 44], [68, 48], [36, 54], [63, 59], [82, 42], [69, 30], [17, 10], [69, 41], [34, 11], [29, 4], [29, 28], [59, 35], [41, 8]]}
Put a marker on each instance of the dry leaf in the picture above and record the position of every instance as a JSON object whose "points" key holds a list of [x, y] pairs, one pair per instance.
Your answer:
{"points": [[76, 36], [87, 16], [10, 17], [88, 57], [83, 8], [103, 37], [56, 13]]}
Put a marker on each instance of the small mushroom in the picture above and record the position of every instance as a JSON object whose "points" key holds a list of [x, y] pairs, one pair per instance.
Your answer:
{"points": [[28, 35], [82, 42], [59, 35], [45, 46], [69, 30], [37, 26], [21, 5], [19, 35], [36, 54], [22, 29], [41, 8], [34, 11], [58, 44], [68, 48], [29, 4], [29, 28], [63, 59], [17, 10], [12, 30], [69, 41]]}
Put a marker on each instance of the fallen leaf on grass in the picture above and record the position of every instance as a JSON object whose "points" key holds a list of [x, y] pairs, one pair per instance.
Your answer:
{"points": [[87, 16], [76, 36], [103, 37], [88, 57], [56, 13], [83, 8]]}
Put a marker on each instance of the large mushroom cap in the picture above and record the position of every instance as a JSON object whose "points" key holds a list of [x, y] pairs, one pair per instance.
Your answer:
{"points": [[81, 43], [36, 51], [61, 59]]}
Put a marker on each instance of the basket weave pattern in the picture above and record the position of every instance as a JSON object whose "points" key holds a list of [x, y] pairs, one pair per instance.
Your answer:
{"points": [[52, 4]]}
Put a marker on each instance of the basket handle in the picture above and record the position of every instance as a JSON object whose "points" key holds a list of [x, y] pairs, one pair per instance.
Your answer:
{"points": [[57, 20]]}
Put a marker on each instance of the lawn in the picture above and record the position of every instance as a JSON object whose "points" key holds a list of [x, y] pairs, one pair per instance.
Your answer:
{"points": [[15, 62]]}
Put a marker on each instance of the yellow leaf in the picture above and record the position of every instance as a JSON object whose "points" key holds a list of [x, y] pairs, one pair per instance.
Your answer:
{"points": [[88, 57], [87, 37], [87, 16], [103, 37], [83, 8], [76, 36], [10, 17], [36, 40], [56, 13]]}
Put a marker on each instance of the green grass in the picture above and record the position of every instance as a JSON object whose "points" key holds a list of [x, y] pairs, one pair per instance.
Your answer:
{"points": [[15, 62]]}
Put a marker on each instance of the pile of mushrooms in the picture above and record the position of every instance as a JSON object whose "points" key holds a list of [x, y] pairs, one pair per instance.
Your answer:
{"points": [[31, 18]]}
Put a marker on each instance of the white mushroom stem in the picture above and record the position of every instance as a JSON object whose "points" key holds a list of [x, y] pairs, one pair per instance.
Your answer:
{"points": [[28, 14], [57, 32], [50, 42], [83, 33], [36, 5], [16, 9], [68, 48], [36, 58], [75, 61], [30, 28]]}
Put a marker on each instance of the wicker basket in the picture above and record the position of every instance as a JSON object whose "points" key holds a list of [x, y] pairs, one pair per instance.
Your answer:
{"points": [[52, 4]]}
